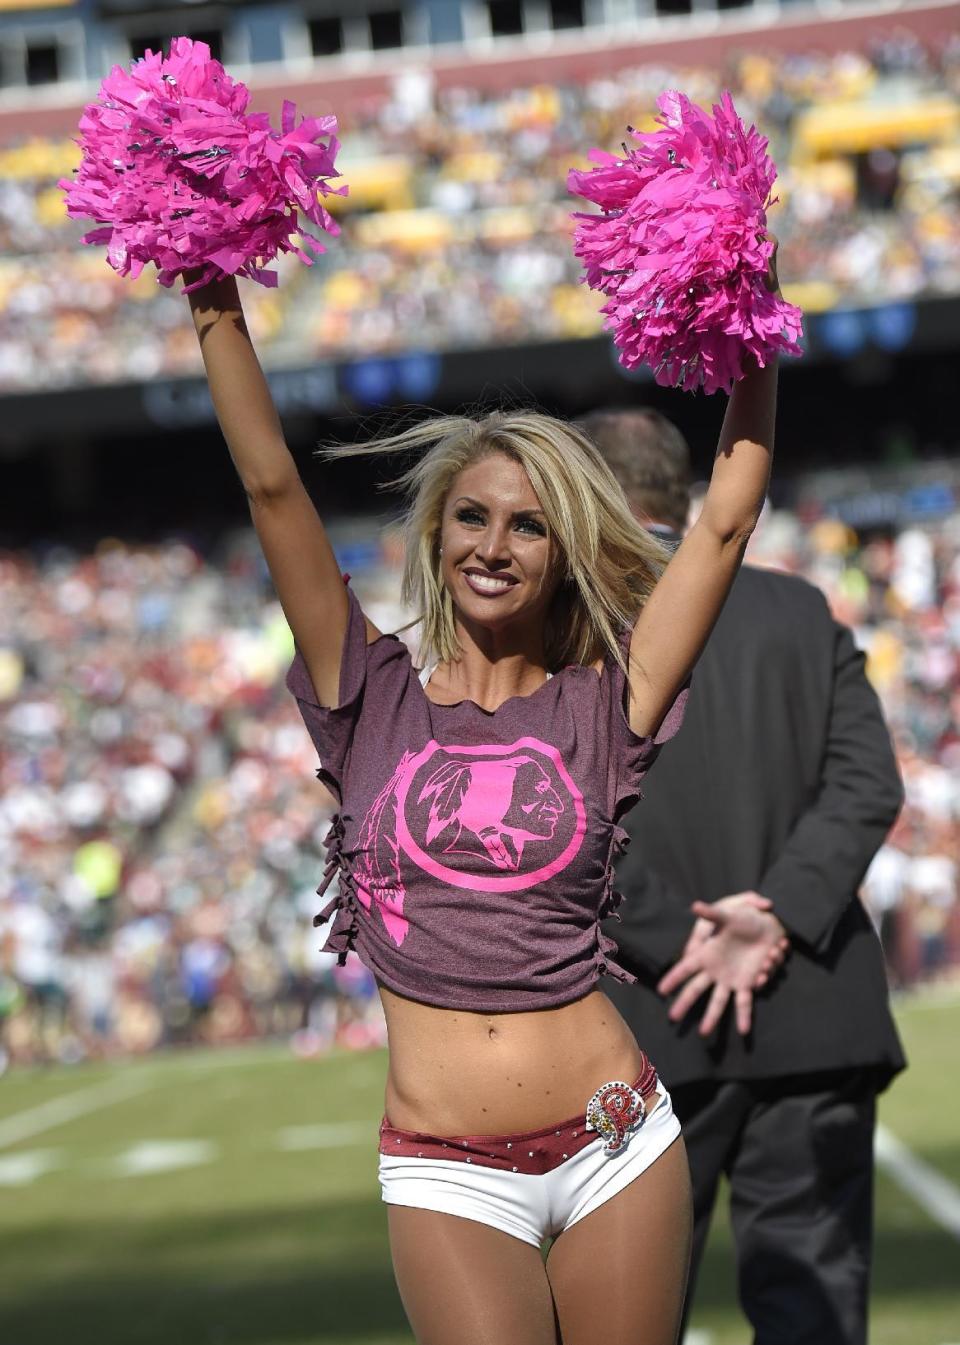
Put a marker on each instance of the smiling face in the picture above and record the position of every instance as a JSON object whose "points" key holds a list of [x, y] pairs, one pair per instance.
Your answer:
{"points": [[498, 561]]}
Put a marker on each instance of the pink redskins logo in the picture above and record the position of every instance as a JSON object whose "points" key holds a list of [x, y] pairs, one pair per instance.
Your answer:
{"points": [[489, 818], [512, 808]]}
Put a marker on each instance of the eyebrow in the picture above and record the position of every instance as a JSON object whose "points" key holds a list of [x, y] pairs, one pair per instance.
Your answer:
{"points": [[517, 513]]}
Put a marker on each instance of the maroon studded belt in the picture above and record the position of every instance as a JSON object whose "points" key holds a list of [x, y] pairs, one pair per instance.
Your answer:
{"points": [[614, 1112]]}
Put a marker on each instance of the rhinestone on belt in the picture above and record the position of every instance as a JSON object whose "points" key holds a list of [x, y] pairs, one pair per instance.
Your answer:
{"points": [[615, 1111]]}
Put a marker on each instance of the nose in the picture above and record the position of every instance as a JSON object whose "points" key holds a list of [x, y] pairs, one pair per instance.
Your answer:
{"points": [[493, 546]]}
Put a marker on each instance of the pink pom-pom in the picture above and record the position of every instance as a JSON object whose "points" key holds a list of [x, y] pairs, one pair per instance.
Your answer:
{"points": [[177, 172], [680, 247]]}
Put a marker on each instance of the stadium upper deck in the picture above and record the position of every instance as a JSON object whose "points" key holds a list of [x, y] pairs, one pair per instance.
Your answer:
{"points": [[454, 269], [456, 230], [339, 54]]}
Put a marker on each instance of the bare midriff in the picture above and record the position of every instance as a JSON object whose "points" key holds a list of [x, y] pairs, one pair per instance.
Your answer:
{"points": [[459, 1073]]}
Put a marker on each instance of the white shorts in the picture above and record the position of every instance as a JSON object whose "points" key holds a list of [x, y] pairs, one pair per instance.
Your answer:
{"points": [[530, 1207]]}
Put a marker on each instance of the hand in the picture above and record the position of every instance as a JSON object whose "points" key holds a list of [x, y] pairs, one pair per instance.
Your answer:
{"points": [[735, 946]]}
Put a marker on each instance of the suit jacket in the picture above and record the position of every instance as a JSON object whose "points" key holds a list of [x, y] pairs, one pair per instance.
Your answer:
{"points": [[782, 780]]}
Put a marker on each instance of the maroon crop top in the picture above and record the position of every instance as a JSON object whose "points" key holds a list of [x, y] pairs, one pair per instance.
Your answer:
{"points": [[474, 850]]}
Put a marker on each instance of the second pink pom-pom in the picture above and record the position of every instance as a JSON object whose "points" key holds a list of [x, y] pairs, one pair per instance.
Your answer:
{"points": [[680, 248], [176, 172]]}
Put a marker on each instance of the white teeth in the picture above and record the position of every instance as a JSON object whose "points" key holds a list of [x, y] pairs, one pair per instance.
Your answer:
{"points": [[485, 581]]}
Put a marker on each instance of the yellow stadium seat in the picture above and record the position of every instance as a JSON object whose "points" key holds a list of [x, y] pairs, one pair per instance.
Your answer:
{"points": [[854, 128]]}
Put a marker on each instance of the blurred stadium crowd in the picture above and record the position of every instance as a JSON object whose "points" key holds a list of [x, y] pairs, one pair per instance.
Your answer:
{"points": [[160, 825], [161, 829], [456, 230]]}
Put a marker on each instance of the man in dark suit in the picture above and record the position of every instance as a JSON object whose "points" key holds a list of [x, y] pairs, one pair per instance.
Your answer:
{"points": [[758, 825]]}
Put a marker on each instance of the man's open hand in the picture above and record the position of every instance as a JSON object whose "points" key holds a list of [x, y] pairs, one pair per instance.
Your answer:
{"points": [[734, 948]]}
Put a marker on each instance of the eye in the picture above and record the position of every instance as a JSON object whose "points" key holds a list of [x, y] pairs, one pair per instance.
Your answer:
{"points": [[531, 526], [472, 517]]}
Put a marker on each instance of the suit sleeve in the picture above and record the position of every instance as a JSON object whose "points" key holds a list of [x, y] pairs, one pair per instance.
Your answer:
{"points": [[818, 872], [655, 924]]}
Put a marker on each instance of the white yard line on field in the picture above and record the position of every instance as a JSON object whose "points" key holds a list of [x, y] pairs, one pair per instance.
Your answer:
{"points": [[23, 1168], [931, 1190], [25, 1124], [153, 1156]]}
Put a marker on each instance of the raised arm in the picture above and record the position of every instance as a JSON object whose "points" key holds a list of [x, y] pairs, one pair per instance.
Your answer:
{"points": [[295, 544], [673, 627], [679, 615]]}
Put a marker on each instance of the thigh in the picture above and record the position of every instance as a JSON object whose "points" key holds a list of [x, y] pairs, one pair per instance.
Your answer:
{"points": [[801, 1197], [465, 1283], [618, 1275]]}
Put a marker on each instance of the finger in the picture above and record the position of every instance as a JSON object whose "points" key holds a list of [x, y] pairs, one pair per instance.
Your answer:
{"points": [[680, 971], [714, 1011], [704, 909], [671, 979], [702, 929], [743, 1011], [716, 915], [755, 900], [688, 996], [777, 968]]}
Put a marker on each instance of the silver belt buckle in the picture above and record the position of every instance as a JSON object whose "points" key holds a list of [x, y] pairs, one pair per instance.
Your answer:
{"points": [[615, 1111]]}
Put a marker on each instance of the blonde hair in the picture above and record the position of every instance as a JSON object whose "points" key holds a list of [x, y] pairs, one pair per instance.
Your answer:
{"points": [[608, 562]]}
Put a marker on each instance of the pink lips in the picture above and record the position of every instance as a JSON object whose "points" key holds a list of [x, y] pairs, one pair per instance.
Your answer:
{"points": [[504, 582]]}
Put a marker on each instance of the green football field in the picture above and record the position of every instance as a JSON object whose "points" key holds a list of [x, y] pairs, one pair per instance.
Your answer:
{"points": [[231, 1198]]}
